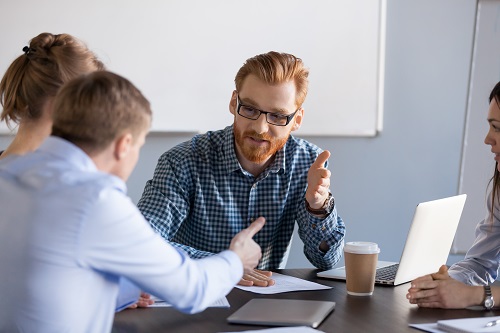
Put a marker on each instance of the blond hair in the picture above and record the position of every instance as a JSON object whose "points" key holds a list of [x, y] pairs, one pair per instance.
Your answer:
{"points": [[47, 63], [274, 68], [93, 110]]}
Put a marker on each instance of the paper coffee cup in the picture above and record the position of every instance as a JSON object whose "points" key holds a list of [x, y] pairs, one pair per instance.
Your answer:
{"points": [[360, 266]]}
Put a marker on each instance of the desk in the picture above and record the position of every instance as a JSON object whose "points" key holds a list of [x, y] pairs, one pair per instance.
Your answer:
{"points": [[387, 310]]}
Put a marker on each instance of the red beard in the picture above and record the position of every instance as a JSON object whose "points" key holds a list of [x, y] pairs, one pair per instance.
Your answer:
{"points": [[258, 154]]}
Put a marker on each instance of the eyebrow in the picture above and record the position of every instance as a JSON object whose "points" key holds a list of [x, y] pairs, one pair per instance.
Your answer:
{"points": [[274, 110]]}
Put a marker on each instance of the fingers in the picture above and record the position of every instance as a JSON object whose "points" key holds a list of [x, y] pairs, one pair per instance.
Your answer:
{"points": [[321, 160], [266, 273], [442, 274], [245, 283], [427, 277], [318, 181], [255, 226], [258, 279], [443, 269]]}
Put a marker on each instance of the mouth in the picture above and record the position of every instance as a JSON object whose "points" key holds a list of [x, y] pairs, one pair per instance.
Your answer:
{"points": [[257, 141]]}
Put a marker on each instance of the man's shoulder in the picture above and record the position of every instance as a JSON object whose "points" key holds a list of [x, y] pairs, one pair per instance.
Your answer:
{"points": [[201, 145], [300, 147]]}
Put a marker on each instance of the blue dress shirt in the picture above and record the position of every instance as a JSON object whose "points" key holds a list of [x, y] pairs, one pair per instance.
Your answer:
{"points": [[200, 197], [69, 233]]}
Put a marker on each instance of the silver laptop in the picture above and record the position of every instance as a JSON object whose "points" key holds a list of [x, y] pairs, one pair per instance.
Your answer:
{"points": [[282, 312], [427, 246]]}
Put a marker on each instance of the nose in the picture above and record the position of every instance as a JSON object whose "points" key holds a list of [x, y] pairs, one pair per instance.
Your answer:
{"points": [[260, 124], [489, 139]]}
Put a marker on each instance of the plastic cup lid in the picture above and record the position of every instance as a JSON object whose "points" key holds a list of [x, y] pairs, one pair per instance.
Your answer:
{"points": [[361, 247]]}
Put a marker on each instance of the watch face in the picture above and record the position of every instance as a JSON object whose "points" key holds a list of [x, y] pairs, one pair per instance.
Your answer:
{"points": [[488, 302], [331, 204]]}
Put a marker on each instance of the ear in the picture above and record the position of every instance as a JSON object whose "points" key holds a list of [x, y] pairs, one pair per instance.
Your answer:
{"points": [[298, 119], [122, 146], [233, 103]]}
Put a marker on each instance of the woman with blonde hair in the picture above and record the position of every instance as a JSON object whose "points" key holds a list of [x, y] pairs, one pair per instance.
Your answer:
{"points": [[31, 82]]}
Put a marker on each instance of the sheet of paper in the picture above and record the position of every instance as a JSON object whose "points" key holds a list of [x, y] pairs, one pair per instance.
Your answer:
{"points": [[285, 283], [297, 329], [429, 327], [159, 303]]}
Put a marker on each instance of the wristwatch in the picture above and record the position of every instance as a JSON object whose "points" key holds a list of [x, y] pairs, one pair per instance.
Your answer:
{"points": [[326, 209], [489, 302]]}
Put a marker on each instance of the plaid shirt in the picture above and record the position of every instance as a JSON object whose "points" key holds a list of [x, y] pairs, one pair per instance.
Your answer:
{"points": [[200, 197]]}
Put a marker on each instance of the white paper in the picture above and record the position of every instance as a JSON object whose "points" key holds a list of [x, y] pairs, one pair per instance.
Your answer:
{"points": [[296, 329], [429, 327], [159, 303], [285, 283]]}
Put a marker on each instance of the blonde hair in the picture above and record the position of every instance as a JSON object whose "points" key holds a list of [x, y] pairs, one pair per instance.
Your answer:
{"points": [[93, 110], [274, 68], [47, 63]]}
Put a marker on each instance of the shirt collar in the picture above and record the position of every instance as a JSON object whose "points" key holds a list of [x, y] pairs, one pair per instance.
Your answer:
{"points": [[77, 158], [231, 160], [69, 152]]}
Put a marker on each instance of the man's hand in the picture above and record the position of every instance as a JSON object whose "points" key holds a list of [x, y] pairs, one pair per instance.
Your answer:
{"points": [[246, 248], [318, 182], [143, 302], [439, 290], [257, 278]]}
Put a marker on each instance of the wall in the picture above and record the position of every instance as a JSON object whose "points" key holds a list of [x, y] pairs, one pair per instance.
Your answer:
{"points": [[191, 49], [477, 160], [378, 181]]}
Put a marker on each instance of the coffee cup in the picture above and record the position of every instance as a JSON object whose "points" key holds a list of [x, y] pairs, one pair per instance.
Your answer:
{"points": [[360, 266]]}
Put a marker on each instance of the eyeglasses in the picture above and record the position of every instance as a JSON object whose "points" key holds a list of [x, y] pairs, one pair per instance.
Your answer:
{"points": [[273, 118]]}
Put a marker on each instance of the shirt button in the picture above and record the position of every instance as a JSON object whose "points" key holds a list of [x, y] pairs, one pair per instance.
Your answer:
{"points": [[323, 228], [313, 226], [252, 219], [254, 186]]}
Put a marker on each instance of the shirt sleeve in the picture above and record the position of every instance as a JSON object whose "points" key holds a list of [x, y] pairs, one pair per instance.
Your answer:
{"points": [[314, 230], [115, 239], [166, 202], [128, 294], [481, 263]]}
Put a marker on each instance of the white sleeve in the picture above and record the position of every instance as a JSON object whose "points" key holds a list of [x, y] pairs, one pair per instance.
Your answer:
{"points": [[128, 294], [116, 239]]}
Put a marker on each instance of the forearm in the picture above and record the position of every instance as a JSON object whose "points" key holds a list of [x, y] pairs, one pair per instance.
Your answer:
{"points": [[473, 272]]}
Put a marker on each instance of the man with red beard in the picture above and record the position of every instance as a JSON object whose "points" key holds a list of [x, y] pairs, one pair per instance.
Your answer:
{"points": [[209, 188]]}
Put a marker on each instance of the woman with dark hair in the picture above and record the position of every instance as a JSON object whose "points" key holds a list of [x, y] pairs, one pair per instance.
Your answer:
{"points": [[466, 283]]}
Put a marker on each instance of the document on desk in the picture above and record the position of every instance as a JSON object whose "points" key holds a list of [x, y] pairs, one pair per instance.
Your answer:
{"points": [[462, 325], [285, 283], [159, 303], [297, 329], [429, 327]]}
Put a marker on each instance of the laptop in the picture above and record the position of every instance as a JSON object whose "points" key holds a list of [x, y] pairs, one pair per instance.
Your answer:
{"points": [[427, 245], [282, 312]]}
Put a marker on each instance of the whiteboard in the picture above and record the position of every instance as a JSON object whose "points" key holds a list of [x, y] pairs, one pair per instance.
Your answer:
{"points": [[184, 54], [477, 160]]}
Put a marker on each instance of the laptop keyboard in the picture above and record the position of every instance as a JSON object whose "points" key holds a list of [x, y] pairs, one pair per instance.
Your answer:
{"points": [[386, 273]]}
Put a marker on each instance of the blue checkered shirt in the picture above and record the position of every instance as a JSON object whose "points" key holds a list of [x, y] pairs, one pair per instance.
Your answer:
{"points": [[200, 197]]}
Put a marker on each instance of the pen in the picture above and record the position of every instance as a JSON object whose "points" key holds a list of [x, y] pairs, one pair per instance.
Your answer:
{"points": [[492, 323]]}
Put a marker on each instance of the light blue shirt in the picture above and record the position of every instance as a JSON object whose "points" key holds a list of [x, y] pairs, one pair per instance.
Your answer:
{"points": [[481, 264], [68, 233]]}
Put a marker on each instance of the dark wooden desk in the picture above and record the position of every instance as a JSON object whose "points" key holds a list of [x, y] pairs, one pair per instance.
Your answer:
{"points": [[387, 310]]}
